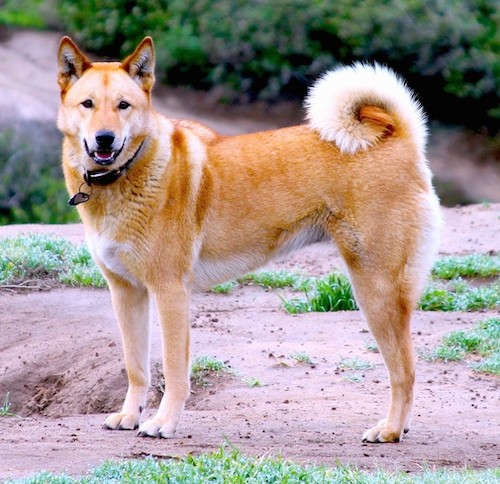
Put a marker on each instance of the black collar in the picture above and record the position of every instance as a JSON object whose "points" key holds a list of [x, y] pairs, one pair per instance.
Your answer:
{"points": [[101, 177], [106, 177]]}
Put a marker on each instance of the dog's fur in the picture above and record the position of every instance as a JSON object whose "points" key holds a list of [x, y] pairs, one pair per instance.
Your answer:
{"points": [[194, 208]]}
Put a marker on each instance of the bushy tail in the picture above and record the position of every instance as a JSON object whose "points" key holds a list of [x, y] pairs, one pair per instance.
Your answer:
{"points": [[355, 107]]}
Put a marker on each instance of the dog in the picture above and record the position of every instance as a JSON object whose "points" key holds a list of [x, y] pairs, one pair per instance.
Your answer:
{"points": [[171, 206]]}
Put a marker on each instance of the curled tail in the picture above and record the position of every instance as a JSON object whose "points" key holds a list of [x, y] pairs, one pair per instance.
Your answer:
{"points": [[356, 107]]}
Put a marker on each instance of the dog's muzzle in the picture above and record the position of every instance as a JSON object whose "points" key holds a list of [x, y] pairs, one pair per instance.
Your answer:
{"points": [[104, 154]]}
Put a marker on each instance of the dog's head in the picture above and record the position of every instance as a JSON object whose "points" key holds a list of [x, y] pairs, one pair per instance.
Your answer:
{"points": [[105, 106]]}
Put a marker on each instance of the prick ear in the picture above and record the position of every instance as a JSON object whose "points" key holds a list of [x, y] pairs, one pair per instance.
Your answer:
{"points": [[72, 64], [141, 64]]}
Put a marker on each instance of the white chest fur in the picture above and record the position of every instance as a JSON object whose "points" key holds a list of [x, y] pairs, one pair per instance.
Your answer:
{"points": [[110, 254]]}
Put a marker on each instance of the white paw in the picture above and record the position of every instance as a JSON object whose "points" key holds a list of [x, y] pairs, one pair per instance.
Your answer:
{"points": [[380, 434], [155, 428], [122, 421]]}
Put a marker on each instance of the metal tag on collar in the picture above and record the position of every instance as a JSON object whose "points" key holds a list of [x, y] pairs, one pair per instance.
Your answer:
{"points": [[80, 197]]}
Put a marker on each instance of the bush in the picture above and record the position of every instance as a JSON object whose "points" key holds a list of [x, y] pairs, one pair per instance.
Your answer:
{"points": [[31, 181], [440, 45], [36, 14], [269, 50], [112, 27]]}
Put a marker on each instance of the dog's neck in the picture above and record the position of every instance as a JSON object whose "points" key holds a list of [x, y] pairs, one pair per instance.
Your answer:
{"points": [[102, 178]]}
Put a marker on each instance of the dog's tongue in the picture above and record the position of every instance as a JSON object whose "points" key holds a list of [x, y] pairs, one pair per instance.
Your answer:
{"points": [[105, 155]]}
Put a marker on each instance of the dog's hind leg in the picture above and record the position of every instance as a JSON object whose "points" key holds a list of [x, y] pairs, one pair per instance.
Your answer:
{"points": [[131, 305], [387, 268], [173, 309], [387, 307]]}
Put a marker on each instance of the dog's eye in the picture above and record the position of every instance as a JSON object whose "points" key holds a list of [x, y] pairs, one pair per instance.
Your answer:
{"points": [[87, 103], [123, 105]]}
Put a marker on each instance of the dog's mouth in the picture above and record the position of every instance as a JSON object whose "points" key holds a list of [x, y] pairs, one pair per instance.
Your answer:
{"points": [[103, 157]]}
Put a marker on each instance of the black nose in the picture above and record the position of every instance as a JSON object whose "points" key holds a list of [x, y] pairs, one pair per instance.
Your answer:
{"points": [[104, 139]]}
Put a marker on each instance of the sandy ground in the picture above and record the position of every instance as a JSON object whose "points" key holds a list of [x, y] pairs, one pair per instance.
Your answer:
{"points": [[61, 362]]}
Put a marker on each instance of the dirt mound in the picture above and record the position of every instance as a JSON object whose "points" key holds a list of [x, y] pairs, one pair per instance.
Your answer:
{"points": [[61, 363]]}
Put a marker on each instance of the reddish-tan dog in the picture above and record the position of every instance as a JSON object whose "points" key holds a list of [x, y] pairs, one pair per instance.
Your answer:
{"points": [[170, 206]]}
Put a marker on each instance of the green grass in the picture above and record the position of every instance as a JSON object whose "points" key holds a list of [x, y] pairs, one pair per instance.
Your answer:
{"points": [[459, 295], [206, 367], [354, 377], [482, 341], [253, 382], [48, 259], [330, 293], [5, 407], [301, 357], [371, 346], [229, 466], [475, 265], [334, 292], [207, 363], [265, 279], [355, 364], [273, 279], [225, 288]]}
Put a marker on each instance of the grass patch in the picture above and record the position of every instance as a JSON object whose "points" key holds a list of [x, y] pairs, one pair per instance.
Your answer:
{"points": [[301, 357], [483, 340], [49, 259], [354, 377], [458, 295], [474, 265], [273, 279], [355, 364], [334, 292], [5, 407], [229, 465], [253, 382], [265, 279], [371, 346], [225, 288], [330, 293], [204, 368]]}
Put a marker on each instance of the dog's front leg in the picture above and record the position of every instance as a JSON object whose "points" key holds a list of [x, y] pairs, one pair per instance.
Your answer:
{"points": [[173, 309], [131, 305]]}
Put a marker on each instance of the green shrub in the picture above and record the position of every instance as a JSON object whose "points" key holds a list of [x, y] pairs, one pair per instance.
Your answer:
{"points": [[113, 27], [450, 45], [31, 180], [37, 14]]}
